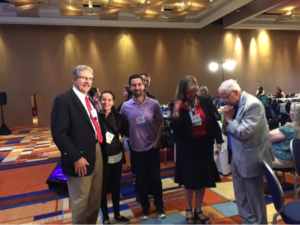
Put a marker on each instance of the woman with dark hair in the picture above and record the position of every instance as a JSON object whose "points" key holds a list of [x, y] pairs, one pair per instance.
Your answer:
{"points": [[112, 170], [95, 95], [127, 94], [194, 128]]}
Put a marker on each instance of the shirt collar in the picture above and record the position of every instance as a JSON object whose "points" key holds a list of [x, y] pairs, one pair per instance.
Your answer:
{"points": [[133, 102], [241, 99], [78, 93]]}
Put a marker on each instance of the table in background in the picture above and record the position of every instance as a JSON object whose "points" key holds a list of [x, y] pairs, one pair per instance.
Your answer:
{"points": [[222, 159], [282, 108]]}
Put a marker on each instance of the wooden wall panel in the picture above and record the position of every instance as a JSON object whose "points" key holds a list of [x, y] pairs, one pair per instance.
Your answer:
{"points": [[5, 81], [37, 70], [23, 110], [105, 80], [58, 78], [41, 61], [42, 111], [18, 74]]}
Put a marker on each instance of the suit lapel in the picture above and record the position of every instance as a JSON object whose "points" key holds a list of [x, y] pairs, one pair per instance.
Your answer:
{"points": [[241, 109], [80, 107]]}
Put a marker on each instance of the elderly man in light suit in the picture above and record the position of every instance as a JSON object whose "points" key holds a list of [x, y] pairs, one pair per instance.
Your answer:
{"points": [[250, 144]]}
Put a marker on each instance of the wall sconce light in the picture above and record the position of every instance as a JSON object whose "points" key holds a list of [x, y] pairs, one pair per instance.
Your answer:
{"points": [[228, 65]]}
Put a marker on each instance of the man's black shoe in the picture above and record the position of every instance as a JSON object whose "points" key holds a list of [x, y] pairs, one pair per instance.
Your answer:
{"points": [[145, 214], [161, 212]]}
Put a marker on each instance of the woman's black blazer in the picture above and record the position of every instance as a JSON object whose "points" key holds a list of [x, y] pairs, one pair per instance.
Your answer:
{"points": [[182, 125]]}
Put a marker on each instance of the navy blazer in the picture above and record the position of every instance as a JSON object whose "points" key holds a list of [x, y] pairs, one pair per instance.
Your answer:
{"points": [[182, 125], [73, 133]]}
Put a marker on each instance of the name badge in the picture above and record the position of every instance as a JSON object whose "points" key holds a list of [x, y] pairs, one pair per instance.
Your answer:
{"points": [[196, 120], [109, 137], [94, 113], [140, 121]]}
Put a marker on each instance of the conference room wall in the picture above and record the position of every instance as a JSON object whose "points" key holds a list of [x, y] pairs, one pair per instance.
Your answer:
{"points": [[39, 60]]}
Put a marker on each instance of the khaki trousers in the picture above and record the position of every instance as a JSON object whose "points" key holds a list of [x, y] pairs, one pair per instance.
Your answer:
{"points": [[85, 193]]}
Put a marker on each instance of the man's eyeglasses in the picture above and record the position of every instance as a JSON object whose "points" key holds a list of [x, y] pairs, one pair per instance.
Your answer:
{"points": [[226, 99], [86, 78]]}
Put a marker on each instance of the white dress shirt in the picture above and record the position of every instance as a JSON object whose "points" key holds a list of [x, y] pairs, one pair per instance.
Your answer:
{"points": [[81, 97]]}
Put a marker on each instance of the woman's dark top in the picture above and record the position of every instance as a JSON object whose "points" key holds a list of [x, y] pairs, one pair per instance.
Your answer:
{"points": [[115, 147], [182, 125]]}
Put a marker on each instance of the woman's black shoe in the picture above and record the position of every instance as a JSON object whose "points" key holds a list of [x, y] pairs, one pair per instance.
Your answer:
{"points": [[199, 220], [189, 220], [122, 219], [127, 170]]}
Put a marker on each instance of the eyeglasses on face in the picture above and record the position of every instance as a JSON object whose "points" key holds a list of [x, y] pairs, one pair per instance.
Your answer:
{"points": [[226, 99], [191, 92], [85, 78]]}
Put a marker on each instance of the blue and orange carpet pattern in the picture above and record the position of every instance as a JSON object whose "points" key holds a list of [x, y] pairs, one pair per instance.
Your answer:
{"points": [[28, 156]]}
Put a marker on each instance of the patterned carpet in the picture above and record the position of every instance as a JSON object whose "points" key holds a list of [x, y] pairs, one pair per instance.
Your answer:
{"points": [[28, 156]]}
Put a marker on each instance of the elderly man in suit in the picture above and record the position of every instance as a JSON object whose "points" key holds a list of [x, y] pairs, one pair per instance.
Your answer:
{"points": [[250, 144], [77, 134]]}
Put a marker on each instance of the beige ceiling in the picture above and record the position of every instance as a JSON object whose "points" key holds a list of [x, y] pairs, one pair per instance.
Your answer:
{"points": [[262, 14], [236, 14]]}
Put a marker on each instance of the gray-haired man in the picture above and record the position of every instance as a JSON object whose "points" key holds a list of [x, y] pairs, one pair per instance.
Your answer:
{"points": [[248, 137], [76, 131]]}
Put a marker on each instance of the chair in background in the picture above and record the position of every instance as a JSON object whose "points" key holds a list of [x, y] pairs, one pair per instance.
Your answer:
{"points": [[273, 124], [269, 101], [288, 170], [288, 107], [274, 107], [284, 117], [295, 151], [273, 115], [289, 212], [268, 112]]}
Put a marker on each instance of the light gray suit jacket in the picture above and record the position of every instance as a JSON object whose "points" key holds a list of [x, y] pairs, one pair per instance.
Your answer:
{"points": [[250, 140]]}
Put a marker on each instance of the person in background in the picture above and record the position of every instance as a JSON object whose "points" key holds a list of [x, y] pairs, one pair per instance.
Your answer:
{"points": [[249, 140], [147, 80], [194, 130], [279, 93], [95, 95], [260, 92], [281, 138], [204, 92], [112, 170], [127, 94]]}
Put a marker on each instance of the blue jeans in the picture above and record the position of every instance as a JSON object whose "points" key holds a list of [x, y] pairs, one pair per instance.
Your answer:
{"points": [[147, 165]]}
